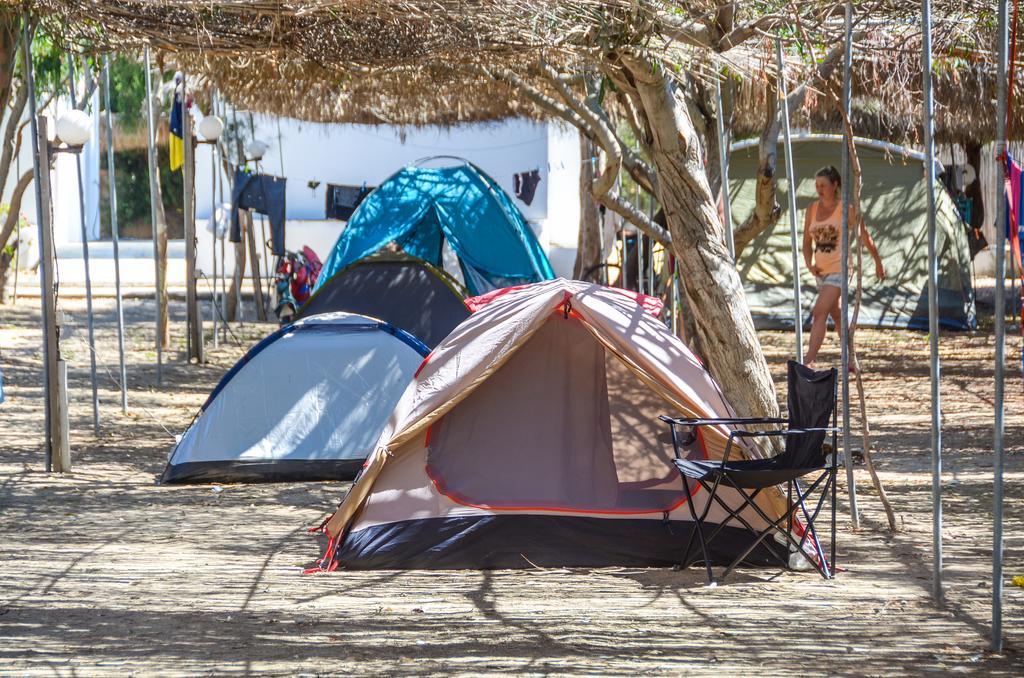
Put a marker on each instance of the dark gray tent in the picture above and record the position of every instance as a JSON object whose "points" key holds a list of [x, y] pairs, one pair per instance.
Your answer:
{"points": [[406, 292]]}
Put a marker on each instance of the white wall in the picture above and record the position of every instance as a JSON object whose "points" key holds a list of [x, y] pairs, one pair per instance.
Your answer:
{"points": [[63, 181], [353, 154], [561, 228], [338, 154]]}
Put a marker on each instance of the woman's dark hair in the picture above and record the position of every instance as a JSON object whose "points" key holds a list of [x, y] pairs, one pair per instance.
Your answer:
{"points": [[830, 173]]}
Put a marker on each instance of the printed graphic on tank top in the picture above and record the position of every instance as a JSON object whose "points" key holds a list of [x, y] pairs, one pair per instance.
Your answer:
{"points": [[825, 234]]}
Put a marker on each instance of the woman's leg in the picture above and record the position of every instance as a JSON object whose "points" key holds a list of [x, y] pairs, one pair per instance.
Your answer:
{"points": [[828, 297], [837, 316]]}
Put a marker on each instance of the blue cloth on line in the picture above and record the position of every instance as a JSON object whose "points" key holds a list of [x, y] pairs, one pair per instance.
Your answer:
{"points": [[264, 194]]}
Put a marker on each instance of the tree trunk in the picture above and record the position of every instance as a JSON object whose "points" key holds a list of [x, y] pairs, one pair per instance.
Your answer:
{"points": [[161, 233], [6, 256], [161, 243], [973, 191], [588, 244], [710, 281], [10, 40], [10, 223], [766, 206], [766, 211]]}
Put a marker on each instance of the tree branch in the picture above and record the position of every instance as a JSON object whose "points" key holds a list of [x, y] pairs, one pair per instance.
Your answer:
{"points": [[741, 34], [597, 120], [695, 32], [11, 127], [546, 103], [14, 209], [543, 101]]}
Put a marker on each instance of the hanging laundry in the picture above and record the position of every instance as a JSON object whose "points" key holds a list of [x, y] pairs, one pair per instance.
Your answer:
{"points": [[525, 185], [1014, 174], [264, 194], [1014, 197], [342, 201]]}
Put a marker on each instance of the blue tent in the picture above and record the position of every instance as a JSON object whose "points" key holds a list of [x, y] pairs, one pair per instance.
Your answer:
{"points": [[419, 208]]}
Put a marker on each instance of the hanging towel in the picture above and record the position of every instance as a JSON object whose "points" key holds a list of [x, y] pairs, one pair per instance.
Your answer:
{"points": [[176, 143], [342, 201], [264, 194], [525, 185], [1014, 196]]}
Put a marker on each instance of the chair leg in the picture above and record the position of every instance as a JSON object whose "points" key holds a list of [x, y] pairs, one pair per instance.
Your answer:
{"points": [[697, 527], [789, 507], [826, 568], [834, 483], [821, 566], [772, 526], [686, 562], [749, 499]]}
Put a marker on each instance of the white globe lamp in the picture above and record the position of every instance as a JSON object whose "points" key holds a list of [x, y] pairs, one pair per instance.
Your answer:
{"points": [[210, 128], [74, 128], [256, 150]]}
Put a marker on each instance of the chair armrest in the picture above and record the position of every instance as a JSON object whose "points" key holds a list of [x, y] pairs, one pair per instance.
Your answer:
{"points": [[743, 433], [711, 421]]}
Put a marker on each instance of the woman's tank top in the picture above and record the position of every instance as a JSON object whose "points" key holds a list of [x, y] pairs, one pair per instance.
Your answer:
{"points": [[825, 234]]}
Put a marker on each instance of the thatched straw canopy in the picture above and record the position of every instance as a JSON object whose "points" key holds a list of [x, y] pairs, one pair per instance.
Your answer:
{"points": [[887, 94], [427, 61]]}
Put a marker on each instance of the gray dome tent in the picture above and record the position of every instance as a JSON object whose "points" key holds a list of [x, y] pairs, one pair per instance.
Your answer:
{"points": [[403, 291]]}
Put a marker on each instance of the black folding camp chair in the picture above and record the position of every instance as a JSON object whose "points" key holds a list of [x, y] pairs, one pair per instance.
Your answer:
{"points": [[812, 402]]}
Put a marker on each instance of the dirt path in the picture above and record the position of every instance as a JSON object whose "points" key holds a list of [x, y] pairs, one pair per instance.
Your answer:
{"points": [[102, 572]]}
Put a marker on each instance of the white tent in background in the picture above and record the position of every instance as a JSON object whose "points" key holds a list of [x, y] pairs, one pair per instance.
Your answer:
{"points": [[306, 403]]}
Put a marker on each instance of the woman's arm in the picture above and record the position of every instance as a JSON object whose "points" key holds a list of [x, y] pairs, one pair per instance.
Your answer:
{"points": [[807, 241]]}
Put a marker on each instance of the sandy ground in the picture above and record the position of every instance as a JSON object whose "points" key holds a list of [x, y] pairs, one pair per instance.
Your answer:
{"points": [[102, 572]]}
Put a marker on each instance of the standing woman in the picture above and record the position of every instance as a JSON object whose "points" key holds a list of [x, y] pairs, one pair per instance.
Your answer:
{"points": [[823, 224]]}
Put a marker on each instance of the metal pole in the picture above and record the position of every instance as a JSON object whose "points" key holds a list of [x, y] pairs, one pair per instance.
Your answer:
{"points": [[723, 162], [115, 236], [1000, 330], [41, 167], [213, 224], [622, 249], [213, 232], [153, 214], [798, 314], [90, 318], [844, 330], [223, 262], [650, 248], [639, 244], [928, 123], [675, 295]]}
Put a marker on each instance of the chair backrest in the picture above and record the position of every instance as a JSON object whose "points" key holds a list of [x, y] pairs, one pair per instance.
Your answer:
{"points": [[812, 402]]}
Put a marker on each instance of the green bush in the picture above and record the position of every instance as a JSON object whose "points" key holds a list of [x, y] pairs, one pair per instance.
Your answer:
{"points": [[133, 207]]}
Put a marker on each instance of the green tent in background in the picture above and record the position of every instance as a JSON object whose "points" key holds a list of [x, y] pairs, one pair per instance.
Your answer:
{"points": [[895, 206]]}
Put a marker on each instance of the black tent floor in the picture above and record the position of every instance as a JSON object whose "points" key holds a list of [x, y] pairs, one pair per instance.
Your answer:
{"points": [[525, 541], [282, 471]]}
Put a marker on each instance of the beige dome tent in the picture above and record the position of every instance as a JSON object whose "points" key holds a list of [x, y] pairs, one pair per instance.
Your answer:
{"points": [[530, 435]]}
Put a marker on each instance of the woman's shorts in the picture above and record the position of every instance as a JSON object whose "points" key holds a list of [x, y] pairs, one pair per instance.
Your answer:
{"points": [[833, 279]]}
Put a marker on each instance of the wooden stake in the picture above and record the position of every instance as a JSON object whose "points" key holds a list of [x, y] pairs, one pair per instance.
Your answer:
{"points": [[159, 226], [56, 415], [193, 318], [245, 216]]}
